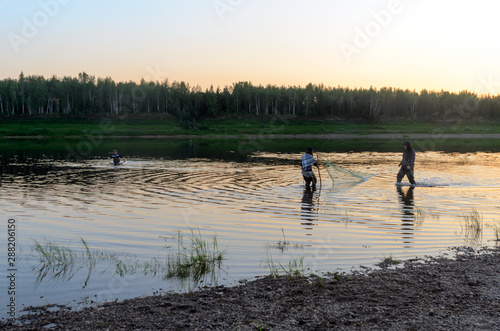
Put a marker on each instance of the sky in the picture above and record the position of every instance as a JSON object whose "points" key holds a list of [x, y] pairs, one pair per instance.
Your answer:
{"points": [[408, 44]]}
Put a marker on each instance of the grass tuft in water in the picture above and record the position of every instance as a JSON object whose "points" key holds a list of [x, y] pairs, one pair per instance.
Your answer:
{"points": [[472, 225], [274, 271], [152, 267], [196, 260], [347, 218], [61, 262], [388, 261], [294, 269], [421, 214], [321, 281], [284, 244], [495, 226]]}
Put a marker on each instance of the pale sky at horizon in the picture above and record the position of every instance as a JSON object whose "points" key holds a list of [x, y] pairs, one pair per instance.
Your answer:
{"points": [[408, 44]]}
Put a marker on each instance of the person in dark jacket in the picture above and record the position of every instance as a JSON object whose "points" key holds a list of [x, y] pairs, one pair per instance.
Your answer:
{"points": [[116, 157], [407, 164]]}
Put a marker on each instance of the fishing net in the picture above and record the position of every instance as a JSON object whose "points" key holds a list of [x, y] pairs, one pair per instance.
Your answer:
{"points": [[344, 177]]}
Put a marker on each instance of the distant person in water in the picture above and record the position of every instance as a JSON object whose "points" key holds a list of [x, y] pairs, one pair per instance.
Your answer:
{"points": [[407, 164], [307, 162], [116, 157]]}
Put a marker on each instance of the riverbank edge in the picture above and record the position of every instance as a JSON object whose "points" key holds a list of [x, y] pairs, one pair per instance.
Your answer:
{"points": [[458, 291], [155, 126]]}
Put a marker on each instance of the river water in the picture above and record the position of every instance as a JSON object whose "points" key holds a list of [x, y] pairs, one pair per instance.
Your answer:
{"points": [[120, 225]]}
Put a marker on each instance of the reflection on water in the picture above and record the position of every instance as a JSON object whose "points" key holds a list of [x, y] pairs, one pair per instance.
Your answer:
{"points": [[125, 212], [309, 213], [408, 217]]}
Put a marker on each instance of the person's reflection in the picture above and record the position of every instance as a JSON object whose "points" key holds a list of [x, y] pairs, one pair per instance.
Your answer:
{"points": [[407, 200], [308, 210], [408, 217]]}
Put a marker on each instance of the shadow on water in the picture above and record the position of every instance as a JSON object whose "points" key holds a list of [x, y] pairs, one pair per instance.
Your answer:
{"points": [[309, 212]]}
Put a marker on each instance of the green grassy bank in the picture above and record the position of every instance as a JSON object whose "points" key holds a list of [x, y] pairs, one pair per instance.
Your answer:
{"points": [[156, 125]]}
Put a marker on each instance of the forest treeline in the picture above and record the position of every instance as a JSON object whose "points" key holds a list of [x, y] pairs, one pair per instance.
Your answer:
{"points": [[85, 95]]}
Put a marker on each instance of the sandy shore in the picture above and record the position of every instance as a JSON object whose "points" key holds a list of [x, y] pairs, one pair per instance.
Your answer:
{"points": [[460, 292]]}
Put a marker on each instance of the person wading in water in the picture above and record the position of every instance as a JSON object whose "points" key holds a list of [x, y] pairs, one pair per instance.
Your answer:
{"points": [[407, 165], [116, 157], [307, 162]]}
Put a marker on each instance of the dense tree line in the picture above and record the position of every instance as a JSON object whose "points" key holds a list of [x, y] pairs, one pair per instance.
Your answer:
{"points": [[85, 94]]}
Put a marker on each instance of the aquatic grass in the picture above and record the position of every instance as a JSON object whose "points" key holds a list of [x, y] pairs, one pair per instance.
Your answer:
{"points": [[284, 244], [294, 268], [472, 225], [317, 280], [339, 277], [388, 261], [61, 262], [52, 253], [274, 271], [495, 226], [123, 269], [90, 260], [391, 260], [421, 214], [347, 218], [196, 260], [153, 267]]}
